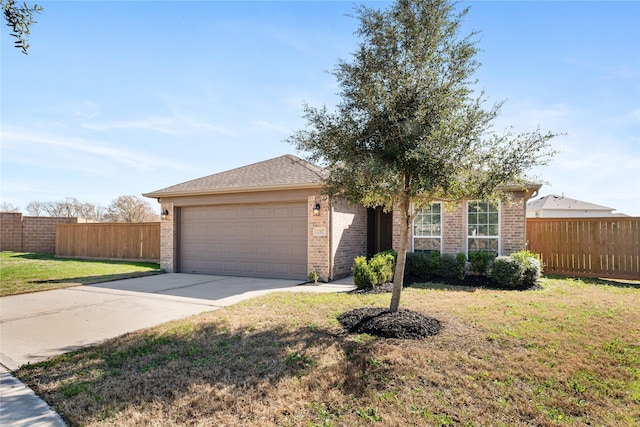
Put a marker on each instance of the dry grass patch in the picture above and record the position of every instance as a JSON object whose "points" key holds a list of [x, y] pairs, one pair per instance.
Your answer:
{"points": [[565, 355]]}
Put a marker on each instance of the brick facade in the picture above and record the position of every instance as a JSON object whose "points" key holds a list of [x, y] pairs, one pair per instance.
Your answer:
{"points": [[513, 224], [11, 231], [454, 227], [348, 236], [168, 238], [339, 233], [318, 234], [29, 233]]}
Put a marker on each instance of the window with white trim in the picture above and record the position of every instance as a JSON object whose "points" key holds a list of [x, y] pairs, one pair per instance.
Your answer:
{"points": [[483, 227], [427, 229]]}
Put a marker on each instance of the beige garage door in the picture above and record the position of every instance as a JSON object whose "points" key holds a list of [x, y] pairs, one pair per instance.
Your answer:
{"points": [[266, 240]]}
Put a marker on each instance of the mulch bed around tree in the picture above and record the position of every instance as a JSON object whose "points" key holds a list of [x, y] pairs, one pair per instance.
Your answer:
{"points": [[381, 322], [407, 324]]}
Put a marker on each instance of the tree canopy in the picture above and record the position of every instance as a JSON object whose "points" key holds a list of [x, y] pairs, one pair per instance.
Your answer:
{"points": [[412, 126], [130, 209], [20, 18]]}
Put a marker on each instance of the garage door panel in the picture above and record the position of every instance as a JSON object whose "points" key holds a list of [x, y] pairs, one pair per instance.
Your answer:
{"points": [[260, 240]]}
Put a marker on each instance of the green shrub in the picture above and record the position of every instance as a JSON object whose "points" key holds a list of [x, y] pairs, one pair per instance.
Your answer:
{"points": [[480, 261], [461, 258], [434, 261], [361, 273], [313, 276], [531, 266], [377, 271], [507, 271], [532, 271], [417, 265], [391, 252], [381, 267], [448, 266], [422, 264], [521, 255]]}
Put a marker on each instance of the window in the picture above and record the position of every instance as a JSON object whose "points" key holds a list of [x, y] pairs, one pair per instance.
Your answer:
{"points": [[483, 227], [427, 229]]}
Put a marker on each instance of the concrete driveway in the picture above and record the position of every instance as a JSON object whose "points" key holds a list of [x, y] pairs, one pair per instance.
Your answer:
{"points": [[34, 327]]}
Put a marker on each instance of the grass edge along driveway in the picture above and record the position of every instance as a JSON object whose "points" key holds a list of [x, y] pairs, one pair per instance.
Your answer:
{"points": [[22, 273], [565, 355]]}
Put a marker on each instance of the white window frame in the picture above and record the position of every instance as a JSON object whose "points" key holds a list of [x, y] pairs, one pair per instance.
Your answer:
{"points": [[413, 236], [469, 237]]}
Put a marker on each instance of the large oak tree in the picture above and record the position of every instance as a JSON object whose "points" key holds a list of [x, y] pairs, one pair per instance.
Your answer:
{"points": [[411, 126]]}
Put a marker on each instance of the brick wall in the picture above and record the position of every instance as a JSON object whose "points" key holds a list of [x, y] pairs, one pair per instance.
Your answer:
{"points": [[318, 237], [11, 231], [168, 240], [513, 224], [454, 227], [29, 233], [349, 236]]}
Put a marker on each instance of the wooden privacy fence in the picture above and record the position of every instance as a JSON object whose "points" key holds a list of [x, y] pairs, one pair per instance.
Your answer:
{"points": [[129, 241], [588, 247]]}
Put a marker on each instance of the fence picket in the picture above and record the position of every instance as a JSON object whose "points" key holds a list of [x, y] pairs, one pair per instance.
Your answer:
{"points": [[130, 241], [591, 247]]}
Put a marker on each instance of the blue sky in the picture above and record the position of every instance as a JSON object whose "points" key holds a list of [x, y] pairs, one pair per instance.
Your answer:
{"points": [[126, 97]]}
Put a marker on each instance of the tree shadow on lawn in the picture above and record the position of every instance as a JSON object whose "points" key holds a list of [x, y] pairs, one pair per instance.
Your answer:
{"points": [[193, 372]]}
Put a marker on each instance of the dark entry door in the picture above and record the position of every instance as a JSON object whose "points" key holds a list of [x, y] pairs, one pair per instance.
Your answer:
{"points": [[379, 231]]}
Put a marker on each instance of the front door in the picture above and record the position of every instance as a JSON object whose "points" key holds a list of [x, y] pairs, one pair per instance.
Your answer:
{"points": [[379, 231]]}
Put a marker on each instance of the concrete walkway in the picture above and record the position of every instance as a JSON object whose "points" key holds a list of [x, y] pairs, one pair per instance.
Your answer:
{"points": [[35, 327]]}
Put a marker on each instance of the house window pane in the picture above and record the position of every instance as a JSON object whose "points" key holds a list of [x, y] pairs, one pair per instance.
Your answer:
{"points": [[483, 226], [427, 228], [426, 244], [484, 245]]}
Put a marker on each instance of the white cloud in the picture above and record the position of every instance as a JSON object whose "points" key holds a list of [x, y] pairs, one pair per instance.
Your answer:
{"points": [[272, 126], [20, 144]]}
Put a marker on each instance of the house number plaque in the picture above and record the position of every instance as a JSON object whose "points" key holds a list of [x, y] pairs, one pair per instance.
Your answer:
{"points": [[319, 231]]}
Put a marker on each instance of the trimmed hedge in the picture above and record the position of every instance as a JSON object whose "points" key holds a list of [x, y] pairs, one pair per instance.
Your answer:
{"points": [[481, 261], [422, 264], [376, 271], [519, 269]]}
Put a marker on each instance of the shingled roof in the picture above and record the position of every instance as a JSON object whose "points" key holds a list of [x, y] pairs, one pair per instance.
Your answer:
{"points": [[284, 172], [555, 202]]}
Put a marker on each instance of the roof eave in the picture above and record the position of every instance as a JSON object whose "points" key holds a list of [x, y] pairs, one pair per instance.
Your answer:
{"points": [[160, 194]]}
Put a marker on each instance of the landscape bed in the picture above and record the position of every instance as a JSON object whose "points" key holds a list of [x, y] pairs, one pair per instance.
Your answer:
{"points": [[565, 354]]}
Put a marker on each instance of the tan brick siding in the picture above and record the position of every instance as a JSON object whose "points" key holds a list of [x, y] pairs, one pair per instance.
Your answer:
{"points": [[454, 227], [11, 231], [29, 233], [168, 240], [318, 233], [513, 224], [349, 236]]}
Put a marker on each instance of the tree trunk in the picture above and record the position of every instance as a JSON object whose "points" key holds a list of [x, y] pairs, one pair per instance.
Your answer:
{"points": [[405, 219]]}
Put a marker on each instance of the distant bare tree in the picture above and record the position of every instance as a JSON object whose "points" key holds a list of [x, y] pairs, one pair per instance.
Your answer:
{"points": [[130, 209], [8, 207], [69, 207], [36, 208]]}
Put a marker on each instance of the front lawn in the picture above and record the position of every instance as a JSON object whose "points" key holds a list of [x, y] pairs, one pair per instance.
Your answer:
{"points": [[567, 355], [22, 273]]}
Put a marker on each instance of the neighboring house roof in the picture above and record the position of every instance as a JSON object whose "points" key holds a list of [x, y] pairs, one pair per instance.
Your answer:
{"points": [[284, 172], [554, 202]]}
